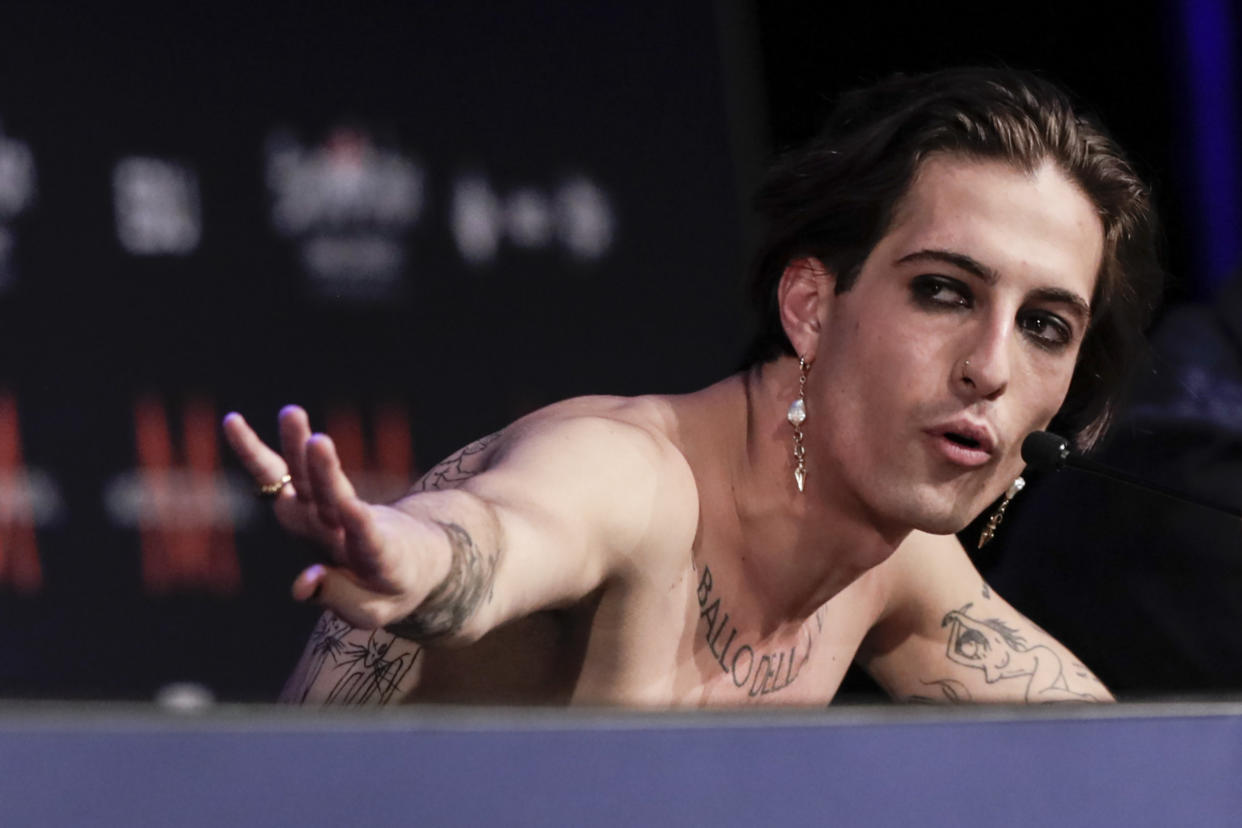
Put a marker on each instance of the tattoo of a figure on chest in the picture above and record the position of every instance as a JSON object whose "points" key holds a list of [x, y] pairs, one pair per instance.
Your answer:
{"points": [[759, 673], [467, 586]]}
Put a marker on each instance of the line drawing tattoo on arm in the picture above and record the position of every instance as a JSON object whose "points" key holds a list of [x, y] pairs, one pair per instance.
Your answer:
{"points": [[467, 586], [951, 691], [471, 571], [371, 676], [373, 671], [1000, 651], [458, 467], [366, 673]]}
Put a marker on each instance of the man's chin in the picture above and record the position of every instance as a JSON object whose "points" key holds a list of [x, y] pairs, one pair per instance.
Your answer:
{"points": [[944, 525], [936, 511], [942, 519]]}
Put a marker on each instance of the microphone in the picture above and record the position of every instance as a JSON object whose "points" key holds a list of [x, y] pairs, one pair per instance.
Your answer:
{"points": [[1046, 451]]}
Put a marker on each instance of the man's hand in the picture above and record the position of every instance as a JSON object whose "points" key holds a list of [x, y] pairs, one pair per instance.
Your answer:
{"points": [[380, 571]]}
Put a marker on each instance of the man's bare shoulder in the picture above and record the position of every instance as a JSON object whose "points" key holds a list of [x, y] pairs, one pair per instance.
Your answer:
{"points": [[613, 456], [615, 423], [620, 429], [651, 414]]}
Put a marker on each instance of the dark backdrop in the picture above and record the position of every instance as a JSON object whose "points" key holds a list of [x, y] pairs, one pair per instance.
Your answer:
{"points": [[420, 223]]}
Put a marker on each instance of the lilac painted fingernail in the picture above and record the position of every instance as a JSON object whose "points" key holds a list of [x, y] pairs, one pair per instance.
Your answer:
{"points": [[315, 573]]}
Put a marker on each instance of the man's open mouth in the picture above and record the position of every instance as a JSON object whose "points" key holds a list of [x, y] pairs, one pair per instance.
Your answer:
{"points": [[962, 439]]}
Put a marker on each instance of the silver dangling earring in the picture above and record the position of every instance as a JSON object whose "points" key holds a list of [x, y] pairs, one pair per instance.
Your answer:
{"points": [[994, 521], [796, 417]]}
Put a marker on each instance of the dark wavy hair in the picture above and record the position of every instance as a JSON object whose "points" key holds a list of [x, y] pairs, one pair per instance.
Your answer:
{"points": [[835, 198]]}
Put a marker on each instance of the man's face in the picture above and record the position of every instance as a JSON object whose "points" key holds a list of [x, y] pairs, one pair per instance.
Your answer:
{"points": [[983, 263]]}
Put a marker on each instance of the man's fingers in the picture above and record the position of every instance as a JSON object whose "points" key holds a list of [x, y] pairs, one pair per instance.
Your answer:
{"points": [[294, 432], [340, 510], [307, 585], [263, 464], [334, 589], [330, 488]]}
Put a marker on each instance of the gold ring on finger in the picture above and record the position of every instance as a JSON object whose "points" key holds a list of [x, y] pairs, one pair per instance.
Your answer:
{"points": [[271, 490]]}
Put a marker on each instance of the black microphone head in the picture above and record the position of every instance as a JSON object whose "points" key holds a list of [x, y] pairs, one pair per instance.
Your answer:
{"points": [[1045, 450]]}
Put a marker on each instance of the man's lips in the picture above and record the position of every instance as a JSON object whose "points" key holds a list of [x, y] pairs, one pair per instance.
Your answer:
{"points": [[964, 442]]}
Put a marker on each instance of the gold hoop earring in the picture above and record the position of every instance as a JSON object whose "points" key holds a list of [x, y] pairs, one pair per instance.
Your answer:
{"points": [[994, 521], [797, 416]]}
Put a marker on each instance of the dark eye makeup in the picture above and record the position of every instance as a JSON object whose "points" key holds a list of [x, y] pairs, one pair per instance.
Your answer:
{"points": [[1046, 328], [937, 292], [941, 292]]}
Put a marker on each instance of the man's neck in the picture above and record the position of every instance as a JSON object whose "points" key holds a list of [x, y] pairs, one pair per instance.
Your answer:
{"points": [[802, 548]]}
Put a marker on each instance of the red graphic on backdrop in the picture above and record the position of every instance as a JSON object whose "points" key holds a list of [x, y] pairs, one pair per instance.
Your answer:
{"points": [[19, 554], [187, 512], [187, 539], [385, 472]]}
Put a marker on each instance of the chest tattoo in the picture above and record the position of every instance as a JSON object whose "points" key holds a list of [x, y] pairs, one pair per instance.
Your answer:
{"points": [[760, 673]]}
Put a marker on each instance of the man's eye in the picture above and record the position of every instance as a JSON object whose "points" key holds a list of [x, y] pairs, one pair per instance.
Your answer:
{"points": [[941, 292], [1047, 329]]}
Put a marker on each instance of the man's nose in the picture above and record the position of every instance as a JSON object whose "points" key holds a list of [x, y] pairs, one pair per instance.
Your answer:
{"points": [[984, 368]]}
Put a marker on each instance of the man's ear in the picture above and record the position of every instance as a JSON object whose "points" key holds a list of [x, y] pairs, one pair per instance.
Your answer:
{"points": [[804, 289]]}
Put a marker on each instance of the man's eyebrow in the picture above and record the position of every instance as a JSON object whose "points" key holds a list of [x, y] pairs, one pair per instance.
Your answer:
{"points": [[1066, 297], [959, 260], [990, 276]]}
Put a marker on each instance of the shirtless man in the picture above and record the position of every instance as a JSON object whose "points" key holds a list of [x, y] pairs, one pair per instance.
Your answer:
{"points": [[958, 260]]}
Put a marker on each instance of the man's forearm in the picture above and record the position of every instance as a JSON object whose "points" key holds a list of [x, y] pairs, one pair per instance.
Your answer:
{"points": [[347, 666], [467, 586]]}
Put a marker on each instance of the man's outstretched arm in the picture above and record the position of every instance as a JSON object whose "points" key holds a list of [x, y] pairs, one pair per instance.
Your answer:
{"points": [[561, 502], [946, 636], [345, 665]]}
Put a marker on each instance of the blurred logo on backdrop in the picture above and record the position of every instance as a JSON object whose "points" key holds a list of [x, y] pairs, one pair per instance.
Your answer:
{"points": [[184, 507], [348, 205], [575, 216], [376, 451], [29, 498], [17, 192], [157, 207]]}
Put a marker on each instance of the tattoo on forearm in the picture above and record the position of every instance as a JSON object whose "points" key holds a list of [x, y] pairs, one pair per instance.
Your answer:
{"points": [[951, 691], [1002, 653], [457, 467], [467, 586], [374, 671], [370, 673], [1083, 672], [760, 674]]}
